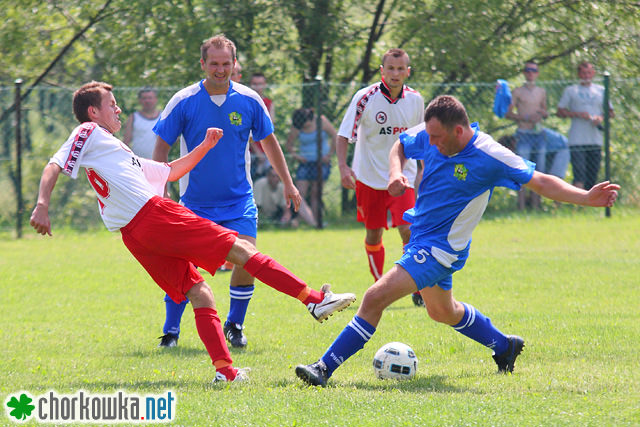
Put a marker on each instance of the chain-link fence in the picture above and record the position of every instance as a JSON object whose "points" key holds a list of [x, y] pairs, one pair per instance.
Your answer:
{"points": [[47, 119]]}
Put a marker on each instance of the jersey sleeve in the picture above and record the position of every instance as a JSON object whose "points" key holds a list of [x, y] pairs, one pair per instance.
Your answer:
{"points": [[156, 173], [262, 125], [69, 156], [516, 171], [170, 124], [414, 141], [349, 126]]}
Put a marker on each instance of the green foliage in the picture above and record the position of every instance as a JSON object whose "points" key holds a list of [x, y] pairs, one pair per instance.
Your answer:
{"points": [[80, 313]]}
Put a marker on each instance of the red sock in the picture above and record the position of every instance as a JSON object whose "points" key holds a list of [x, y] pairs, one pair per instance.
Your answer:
{"points": [[210, 331], [375, 255], [228, 371], [271, 273]]}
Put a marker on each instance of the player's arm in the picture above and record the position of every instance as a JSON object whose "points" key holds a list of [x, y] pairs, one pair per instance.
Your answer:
{"points": [[128, 131], [346, 173], [398, 182], [184, 164], [552, 187], [272, 149], [40, 216]]}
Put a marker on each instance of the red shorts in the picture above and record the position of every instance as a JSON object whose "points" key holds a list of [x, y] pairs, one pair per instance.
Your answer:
{"points": [[373, 206], [169, 240]]}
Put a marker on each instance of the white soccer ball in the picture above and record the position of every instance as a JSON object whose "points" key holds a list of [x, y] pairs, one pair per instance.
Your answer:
{"points": [[395, 360]]}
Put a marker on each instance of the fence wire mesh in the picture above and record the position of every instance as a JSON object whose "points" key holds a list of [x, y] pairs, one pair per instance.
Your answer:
{"points": [[47, 120]]}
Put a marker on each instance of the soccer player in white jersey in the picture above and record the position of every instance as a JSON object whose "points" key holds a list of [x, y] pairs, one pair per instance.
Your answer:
{"points": [[219, 188], [462, 166], [376, 116], [165, 237]]}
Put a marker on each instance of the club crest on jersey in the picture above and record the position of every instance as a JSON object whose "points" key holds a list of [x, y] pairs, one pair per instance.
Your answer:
{"points": [[460, 172], [235, 118], [381, 117]]}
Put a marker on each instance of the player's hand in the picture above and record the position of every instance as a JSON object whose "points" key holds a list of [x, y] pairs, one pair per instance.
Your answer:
{"points": [[603, 194], [291, 194], [40, 220], [212, 137], [347, 177], [398, 185]]}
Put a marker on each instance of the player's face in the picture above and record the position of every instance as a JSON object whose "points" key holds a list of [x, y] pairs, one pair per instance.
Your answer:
{"points": [[218, 67], [107, 115], [148, 100], [446, 140], [258, 84], [586, 73], [395, 71]]}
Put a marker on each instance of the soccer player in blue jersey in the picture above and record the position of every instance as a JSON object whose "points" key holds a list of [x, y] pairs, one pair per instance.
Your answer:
{"points": [[462, 166], [219, 187]]}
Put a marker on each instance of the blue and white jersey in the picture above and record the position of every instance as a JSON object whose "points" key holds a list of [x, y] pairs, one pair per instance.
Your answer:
{"points": [[455, 190], [221, 179]]}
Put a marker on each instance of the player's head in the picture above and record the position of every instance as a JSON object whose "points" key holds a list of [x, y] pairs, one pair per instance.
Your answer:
{"points": [[301, 116], [236, 74], [530, 71], [94, 102], [586, 72], [447, 124], [258, 82], [218, 57], [395, 68], [147, 98]]}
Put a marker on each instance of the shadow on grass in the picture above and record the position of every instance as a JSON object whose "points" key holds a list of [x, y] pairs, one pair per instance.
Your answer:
{"points": [[432, 383]]}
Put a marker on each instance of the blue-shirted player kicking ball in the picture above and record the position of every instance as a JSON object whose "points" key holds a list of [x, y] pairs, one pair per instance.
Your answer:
{"points": [[462, 166]]}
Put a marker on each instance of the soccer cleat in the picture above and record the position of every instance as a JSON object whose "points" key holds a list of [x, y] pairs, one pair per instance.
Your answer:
{"points": [[242, 375], [330, 304], [507, 359], [233, 333], [314, 374], [168, 340], [417, 299]]}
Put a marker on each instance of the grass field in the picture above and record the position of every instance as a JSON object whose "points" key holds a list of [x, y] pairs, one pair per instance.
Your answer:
{"points": [[78, 313]]}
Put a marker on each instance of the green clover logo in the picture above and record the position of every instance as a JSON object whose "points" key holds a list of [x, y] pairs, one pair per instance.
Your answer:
{"points": [[22, 408]]}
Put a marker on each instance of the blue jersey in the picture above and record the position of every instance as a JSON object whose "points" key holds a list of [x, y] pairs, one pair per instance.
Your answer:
{"points": [[455, 190], [221, 181]]}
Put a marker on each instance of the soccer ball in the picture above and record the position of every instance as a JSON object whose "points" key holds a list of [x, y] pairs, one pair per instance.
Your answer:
{"points": [[395, 360]]}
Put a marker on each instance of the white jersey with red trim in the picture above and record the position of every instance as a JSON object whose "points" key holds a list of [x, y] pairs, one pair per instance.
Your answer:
{"points": [[374, 121], [123, 182]]}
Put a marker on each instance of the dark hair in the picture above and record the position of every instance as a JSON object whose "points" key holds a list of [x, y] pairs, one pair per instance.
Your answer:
{"points": [[448, 110], [145, 90], [301, 116], [396, 53], [219, 41], [258, 74], [584, 64], [89, 95]]}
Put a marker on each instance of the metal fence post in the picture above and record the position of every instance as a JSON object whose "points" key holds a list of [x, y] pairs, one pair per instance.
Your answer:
{"points": [[318, 85], [18, 176], [607, 151]]}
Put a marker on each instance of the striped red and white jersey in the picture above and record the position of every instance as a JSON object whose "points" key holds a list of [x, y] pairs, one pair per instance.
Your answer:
{"points": [[373, 122], [123, 182]]}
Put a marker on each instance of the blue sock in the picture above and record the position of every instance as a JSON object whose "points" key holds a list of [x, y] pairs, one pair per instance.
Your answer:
{"points": [[352, 338], [240, 297], [173, 315], [478, 327]]}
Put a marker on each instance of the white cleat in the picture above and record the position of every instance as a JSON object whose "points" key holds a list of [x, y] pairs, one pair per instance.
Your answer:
{"points": [[241, 376], [330, 304]]}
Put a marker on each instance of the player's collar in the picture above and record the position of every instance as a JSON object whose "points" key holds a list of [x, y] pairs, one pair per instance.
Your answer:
{"points": [[384, 89]]}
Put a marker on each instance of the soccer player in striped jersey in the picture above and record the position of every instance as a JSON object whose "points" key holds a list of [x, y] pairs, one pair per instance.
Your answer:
{"points": [[376, 116], [462, 167]]}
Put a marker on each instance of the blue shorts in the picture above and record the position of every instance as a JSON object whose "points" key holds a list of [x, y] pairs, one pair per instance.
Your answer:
{"points": [[424, 269], [309, 171], [247, 224]]}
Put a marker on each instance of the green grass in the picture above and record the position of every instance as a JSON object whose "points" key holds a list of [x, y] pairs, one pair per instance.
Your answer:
{"points": [[77, 312]]}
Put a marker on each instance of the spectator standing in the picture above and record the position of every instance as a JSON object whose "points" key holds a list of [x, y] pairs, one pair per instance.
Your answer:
{"points": [[304, 130], [583, 104], [377, 115], [138, 131], [219, 187], [528, 108]]}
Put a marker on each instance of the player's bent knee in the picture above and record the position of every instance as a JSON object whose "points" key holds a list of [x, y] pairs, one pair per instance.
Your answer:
{"points": [[201, 295], [241, 251]]}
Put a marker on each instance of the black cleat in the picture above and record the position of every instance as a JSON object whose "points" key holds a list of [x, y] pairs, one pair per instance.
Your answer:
{"points": [[507, 360], [168, 340], [233, 333], [314, 374], [417, 299]]}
